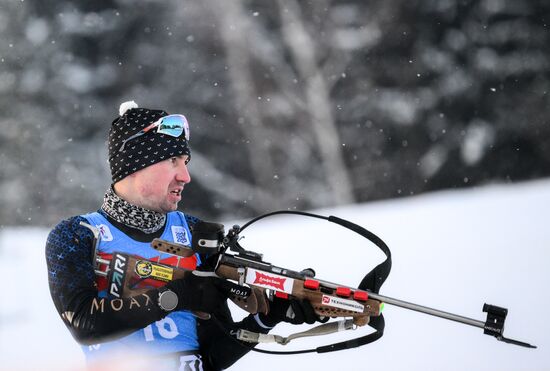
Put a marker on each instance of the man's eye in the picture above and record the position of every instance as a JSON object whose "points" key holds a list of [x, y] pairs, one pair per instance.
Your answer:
{"points": [[173, 160]]}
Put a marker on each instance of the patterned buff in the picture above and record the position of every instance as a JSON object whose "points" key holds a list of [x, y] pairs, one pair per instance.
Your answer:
{"points": [[131, 215]]}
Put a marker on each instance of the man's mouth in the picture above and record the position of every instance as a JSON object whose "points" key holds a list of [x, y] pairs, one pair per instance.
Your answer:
{"points": [[176, 192]]}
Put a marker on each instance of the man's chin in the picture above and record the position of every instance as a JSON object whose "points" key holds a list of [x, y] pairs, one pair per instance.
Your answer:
{"points": [[170, 207]]}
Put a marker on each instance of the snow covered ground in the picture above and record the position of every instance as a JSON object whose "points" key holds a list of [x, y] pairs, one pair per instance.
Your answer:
{"points": [[452, 250]]}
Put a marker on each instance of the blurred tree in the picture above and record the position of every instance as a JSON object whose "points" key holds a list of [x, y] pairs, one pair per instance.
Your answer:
{"points": [[292, 104]]}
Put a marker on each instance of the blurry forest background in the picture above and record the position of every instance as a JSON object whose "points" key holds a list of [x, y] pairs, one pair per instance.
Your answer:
{"points": [[292, 104]]}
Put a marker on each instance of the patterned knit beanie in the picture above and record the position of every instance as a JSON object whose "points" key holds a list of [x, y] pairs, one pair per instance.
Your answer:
{"points": [[144, 150]]}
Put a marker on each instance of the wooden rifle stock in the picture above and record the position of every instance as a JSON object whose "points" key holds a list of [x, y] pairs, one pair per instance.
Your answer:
{"points": [[327, 299]]}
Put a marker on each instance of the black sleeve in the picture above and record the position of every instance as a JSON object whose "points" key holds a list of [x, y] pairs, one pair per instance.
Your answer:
{"points": [[71, 278], [218, 347]]}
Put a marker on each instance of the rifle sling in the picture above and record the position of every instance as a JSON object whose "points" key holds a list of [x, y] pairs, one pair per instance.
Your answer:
{"points": [[371, 282]]}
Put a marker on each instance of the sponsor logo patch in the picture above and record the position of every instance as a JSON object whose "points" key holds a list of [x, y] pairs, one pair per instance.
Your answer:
{"points": [[269, 280], [105, 232], [118, 272], [147, 269], [179, 234], [144, 268], [336, 302]]}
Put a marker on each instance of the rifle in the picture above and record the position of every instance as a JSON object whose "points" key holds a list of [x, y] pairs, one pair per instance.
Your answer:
{"points": [[358, 306]]}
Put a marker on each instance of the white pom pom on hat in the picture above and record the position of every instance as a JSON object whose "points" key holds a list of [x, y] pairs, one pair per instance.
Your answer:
{"points": [[127, 106]]}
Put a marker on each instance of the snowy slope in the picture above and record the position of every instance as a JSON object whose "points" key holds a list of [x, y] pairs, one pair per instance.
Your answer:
{"points": [[451, 250]]}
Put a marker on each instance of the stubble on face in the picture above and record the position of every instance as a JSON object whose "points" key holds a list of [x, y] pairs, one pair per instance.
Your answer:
{"points": [[154, 185], [157, 187]]}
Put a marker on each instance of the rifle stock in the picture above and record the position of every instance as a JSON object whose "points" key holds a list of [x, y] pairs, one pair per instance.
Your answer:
{"points": [[327, 299]]}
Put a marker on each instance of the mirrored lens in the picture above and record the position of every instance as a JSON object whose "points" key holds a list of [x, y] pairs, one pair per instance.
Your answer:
{"points": [[173, 125]]}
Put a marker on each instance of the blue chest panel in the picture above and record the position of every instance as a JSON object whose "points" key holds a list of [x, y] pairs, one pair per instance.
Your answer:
{"points": [[177, 331]]}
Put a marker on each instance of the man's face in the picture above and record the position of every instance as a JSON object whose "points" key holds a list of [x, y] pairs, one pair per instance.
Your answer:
{"points": [[159, 186]]}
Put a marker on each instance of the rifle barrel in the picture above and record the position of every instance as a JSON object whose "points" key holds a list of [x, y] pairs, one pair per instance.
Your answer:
{"points": [[428, 310], [418, 308]]}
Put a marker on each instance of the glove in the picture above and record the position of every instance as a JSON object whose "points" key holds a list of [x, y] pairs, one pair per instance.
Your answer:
{"points": [[207, 237], [197, 293], [293, 311]]}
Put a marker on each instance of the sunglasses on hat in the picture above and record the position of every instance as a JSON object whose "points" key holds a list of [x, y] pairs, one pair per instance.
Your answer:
{"points": [[172, 125]]}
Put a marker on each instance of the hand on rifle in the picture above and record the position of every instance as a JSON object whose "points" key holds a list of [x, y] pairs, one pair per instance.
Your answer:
{"points": [[290, 310], [203, 294]]}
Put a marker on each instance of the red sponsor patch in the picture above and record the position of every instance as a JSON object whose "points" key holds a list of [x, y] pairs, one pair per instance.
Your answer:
{"points": [[326, 300], [264, 279]]}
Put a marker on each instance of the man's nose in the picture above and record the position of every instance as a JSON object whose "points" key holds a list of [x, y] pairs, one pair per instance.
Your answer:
{"points": [[183, 174]]}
